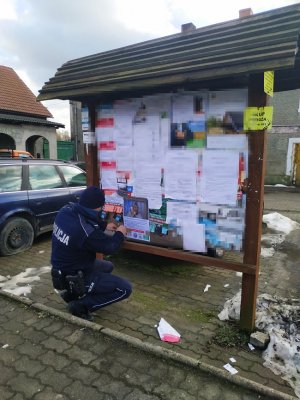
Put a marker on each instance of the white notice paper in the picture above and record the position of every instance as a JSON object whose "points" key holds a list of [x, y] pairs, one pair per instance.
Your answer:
{"points": [[123, 132], [227, 142], [147, 142], [109, 179], [104, 134], [124, 158], [106, 155], [219, 176], [148, 183], [194, 237], [183, 108], [181, 175], [178, 212], [139, 224]]}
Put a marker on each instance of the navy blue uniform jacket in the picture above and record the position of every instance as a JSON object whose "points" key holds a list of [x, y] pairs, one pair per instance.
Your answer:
{"points": [[77, 237]]}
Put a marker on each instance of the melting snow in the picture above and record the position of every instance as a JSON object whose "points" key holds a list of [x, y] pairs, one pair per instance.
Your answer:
{"points": [[231, 308], [20, 284], [267, 252], [280, 223], [280, 318]]}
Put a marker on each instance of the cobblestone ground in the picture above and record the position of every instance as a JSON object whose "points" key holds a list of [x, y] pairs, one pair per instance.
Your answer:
{"points": [[175, 291], [163, 288], [42, 357]]}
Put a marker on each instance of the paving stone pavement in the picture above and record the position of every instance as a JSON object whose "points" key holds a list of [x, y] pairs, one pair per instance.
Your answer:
{"points": [[43, 357], [162, 288]]}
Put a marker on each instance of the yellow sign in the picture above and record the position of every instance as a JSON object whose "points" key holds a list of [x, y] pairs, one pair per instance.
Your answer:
{"points": [[269, 83], [258, 118]]}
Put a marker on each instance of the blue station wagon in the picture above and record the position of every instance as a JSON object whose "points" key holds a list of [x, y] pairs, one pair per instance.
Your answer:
{"points": [[31, 193]]}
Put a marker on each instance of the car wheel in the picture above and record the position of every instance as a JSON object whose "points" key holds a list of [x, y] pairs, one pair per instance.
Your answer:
{"points": [[16, 236]]}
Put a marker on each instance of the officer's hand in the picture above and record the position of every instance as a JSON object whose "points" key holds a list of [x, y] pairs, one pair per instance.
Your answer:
{"points": [[111, 226], [122, 229]]}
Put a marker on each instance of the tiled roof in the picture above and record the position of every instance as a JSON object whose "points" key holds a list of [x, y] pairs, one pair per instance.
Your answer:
{"points": [[15, 96]]}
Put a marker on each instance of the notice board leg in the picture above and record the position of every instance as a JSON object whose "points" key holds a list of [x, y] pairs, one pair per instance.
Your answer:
{"points": [[248, 302], [254, 207], [253, 230]]}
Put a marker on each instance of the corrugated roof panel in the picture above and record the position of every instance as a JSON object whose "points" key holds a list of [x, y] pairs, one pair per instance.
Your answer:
{"points": [[264, 41]]}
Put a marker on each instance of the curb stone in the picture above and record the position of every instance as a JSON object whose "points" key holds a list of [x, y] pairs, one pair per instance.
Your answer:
{"points": [[153, 349]]}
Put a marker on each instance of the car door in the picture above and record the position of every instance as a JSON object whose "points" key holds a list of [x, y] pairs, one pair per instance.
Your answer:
{"points": [[13, 194], [47, 193], [75, 179]]}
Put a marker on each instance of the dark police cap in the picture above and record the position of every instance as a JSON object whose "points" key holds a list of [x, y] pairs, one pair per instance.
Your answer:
{"points": [[92, 197]]}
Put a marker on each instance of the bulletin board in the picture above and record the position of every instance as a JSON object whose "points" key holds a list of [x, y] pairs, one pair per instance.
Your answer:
{"points": [[174, 166]]}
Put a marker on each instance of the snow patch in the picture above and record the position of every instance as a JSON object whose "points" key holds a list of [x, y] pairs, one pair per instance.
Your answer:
{"points": [[20, 284], [280, 318], [267, 252], [231, 308], [279, 222]]}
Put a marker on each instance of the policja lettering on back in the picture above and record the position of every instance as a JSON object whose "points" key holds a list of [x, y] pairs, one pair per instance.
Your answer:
{"points": [[60, 235]]}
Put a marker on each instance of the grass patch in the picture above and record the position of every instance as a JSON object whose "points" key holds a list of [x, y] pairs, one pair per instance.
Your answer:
{"points": [[199, 316], [230, 335], [155, 304], [154, 264], [149, 302]]}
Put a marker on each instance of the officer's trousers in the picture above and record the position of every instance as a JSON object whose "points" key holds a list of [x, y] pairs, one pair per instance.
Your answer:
{"points": [[104, 288]]}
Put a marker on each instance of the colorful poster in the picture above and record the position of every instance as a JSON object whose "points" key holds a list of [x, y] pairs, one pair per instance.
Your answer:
{"points": [[136, 219]]}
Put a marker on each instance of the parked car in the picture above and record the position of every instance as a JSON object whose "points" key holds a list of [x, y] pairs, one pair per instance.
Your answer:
{"points": [[31, 193], [80, 164], [15, 153]]}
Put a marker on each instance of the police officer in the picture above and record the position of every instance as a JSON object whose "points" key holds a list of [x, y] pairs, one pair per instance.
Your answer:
{"points": [[86, 283]]}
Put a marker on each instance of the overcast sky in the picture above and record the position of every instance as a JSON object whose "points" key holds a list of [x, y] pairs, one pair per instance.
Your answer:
{"points": [[38, 36]]}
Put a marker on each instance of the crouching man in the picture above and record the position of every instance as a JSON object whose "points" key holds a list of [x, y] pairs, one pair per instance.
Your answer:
{"points": [[86, 283]]}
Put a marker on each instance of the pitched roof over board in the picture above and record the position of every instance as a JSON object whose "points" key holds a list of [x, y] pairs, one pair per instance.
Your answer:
{"points": [[220, 55], [16, 97]]}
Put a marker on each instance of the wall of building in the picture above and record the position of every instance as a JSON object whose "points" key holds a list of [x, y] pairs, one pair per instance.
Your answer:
{"points": [[282, 138], [286, 108], [20, 134], [280, 154]]}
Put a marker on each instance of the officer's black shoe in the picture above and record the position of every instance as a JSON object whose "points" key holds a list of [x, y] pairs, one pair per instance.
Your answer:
{"points": [[67, 296], [77, 309]]}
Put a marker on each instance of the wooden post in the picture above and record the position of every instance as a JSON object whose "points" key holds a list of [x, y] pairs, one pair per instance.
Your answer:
{"points": [[254, 207], [91, 158], [90, 152]]}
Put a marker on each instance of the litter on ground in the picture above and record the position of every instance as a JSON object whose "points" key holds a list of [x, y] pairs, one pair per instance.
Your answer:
{"points": [[167, 333]]}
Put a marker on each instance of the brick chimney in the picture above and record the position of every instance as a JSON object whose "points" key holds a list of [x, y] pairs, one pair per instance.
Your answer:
{"points": [[246, 12], [189, 27]]}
